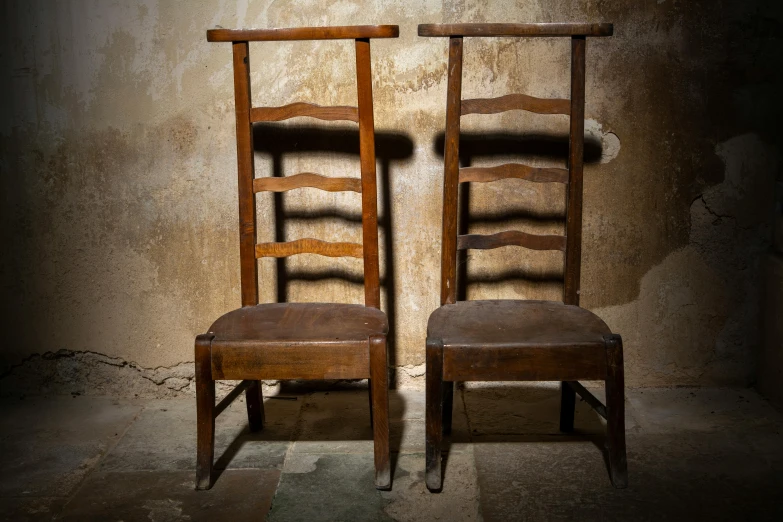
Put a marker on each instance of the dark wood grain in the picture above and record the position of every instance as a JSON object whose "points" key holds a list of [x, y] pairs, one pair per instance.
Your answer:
{"points": [[497, 362], [308, 246], [536, 29], [588, 397], [448, 263], [505, 340], [372, 286], [245, 171], [510, 238], [515, 102], [513, 170], [379, 381], [299, 340], [433, 477], [615, 411], [254, 397], [573, 252], [205, 412], [291, 360], [347, 32], [307, 179], [301, 109]]}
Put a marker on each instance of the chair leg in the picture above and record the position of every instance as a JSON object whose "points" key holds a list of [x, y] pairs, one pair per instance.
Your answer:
{"points": [[205, 412], [615, 411], [448, 405], [434, 414], [379, 372], [254, 397], [567, 407], [369, 393]]}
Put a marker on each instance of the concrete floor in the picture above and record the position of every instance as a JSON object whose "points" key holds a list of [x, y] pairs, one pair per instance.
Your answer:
{"points": [[693, 454]]}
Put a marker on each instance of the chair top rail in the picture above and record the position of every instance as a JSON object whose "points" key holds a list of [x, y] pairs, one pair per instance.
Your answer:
{"points": [[523, 30], [343, 32]]}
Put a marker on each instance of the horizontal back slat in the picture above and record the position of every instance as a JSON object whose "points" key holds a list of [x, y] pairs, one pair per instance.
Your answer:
{"points": [[511, 102], [510, 238], [308, 246], [297, 109], [307, 179], [513, 170], [523, 30], [345, 32]]}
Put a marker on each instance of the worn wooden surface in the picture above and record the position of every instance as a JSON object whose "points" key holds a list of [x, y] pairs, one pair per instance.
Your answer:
{"points": [[536, 29], [448, 262], [510, 238], [307, 179], [346, 32], [576, 141], [299, 340], [372, 285], [512, 170], [506, 340], [246, 172], [309, 246], [301, 109], [512, 102]]}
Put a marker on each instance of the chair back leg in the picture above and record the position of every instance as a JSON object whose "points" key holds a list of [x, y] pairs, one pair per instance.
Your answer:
{"points": [[254, 396]]}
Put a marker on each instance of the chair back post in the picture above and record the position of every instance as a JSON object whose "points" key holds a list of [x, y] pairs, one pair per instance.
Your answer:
{"points": [[372, 289], [448, 283], [246, 173], [576, 140]]}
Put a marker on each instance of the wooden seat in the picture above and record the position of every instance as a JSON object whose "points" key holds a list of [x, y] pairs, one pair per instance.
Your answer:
{"points": [[515, 323], [507, 340], [298, 340]]}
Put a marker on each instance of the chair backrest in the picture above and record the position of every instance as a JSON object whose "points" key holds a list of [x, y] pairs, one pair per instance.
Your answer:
{"points": [[571, 243], [246, 115]]}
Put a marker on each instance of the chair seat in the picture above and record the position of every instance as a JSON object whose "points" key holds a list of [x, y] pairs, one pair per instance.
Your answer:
{"points": [[506, 340], [300, 323], [515, 323]]}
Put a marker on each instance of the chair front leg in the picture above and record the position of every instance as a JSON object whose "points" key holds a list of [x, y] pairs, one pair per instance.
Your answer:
{"points": [[254, 397], [434, 414], [205, 412], [615, 411], [379, 390]]}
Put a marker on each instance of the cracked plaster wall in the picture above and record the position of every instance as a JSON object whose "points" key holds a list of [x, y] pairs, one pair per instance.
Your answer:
{"points": [[117, 156]]}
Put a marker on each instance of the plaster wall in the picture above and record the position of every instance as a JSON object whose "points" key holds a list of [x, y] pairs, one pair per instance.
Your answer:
{"points": [[118, 163]]}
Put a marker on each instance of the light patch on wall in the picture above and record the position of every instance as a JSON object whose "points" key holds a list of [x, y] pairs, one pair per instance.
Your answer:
{"points": [[610, 142], [704, 297]]}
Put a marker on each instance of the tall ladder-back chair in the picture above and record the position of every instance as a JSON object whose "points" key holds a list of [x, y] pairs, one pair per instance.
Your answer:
{"points": [[297, 340], [516, 340]]}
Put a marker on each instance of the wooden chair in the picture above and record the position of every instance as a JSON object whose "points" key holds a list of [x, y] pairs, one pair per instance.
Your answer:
{"points": [[297, 340], [506, 340]]}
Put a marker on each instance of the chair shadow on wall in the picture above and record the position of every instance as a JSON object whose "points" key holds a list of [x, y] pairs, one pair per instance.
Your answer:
{"points": [[539, 424], [272, 143]]}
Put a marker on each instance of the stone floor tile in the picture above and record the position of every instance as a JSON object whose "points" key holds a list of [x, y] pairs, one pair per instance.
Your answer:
{"points": [[409, 499], [524, 410], [237, 495], [49, 444], [670, 410], [327, 488], [30, 509], [671, 477], [164, 437]]}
